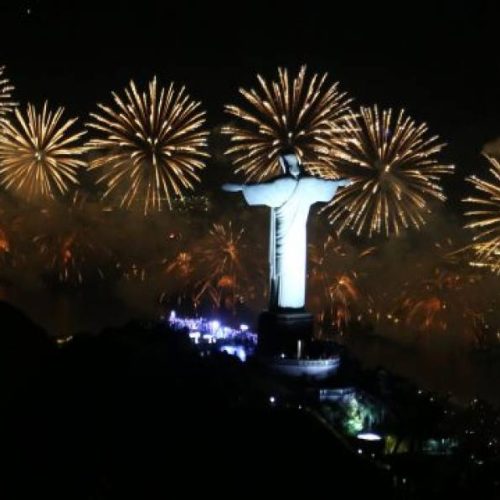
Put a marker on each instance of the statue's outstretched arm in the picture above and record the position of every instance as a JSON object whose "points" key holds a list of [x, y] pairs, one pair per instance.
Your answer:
{"points": [[323, 190], [343, 182], [230, 187], [271, 193]]}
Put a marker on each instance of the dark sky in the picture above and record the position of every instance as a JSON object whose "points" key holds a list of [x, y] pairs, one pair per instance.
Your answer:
{"points": [[439, 60]]}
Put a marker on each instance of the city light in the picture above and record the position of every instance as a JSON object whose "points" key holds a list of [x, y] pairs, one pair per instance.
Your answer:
{"points": [[369, 436], [211, 333]]}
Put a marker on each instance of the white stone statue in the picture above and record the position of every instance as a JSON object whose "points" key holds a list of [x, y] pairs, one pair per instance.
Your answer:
{"points": [[290, 197]]}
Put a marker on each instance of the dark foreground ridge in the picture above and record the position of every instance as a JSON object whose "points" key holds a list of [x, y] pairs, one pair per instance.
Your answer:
{"points": [[137, 412]]}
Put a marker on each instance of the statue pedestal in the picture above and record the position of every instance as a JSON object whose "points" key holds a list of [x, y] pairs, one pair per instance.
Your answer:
{"points": [[280, 332]]}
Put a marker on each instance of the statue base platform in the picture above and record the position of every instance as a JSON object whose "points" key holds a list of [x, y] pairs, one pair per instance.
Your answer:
{"points": [[315, 369], [284, 332]]}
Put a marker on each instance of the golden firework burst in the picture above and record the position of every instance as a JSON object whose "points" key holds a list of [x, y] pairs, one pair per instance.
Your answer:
{"points": [[70, 256], [223, 261], [445, 301], [221, 258], [152, 147], [394, 172], [6, 102], [334, 283], [39, 155], [4, 242], [181, 266], [303, 114], [485, 217], [69, 241]]}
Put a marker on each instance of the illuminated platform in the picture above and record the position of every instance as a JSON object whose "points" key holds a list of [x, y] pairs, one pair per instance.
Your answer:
{"points": [[318, 369], [210, 335], [281, 331]]}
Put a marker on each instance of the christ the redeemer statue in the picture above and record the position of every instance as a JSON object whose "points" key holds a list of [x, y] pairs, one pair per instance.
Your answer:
{"points": [[290, 197]]}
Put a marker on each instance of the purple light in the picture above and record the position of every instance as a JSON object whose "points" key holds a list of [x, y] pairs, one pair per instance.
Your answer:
{"points": [[237, 351], [209, 338], [214, 325], [239, 342]]}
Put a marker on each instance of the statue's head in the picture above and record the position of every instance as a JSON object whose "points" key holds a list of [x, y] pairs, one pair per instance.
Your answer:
{"points": [[290, 163]]}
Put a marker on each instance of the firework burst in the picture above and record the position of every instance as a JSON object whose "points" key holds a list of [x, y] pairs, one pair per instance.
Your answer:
{"points": [[4, 242], [152, 145], [342, 291], [485, 217], [12, 234], [182, 266], [6, 103], [441, 296], [181, 272], [39, 155], [70, 256], [303, 115], [5, 248], [443, 302], [336, 292], [394, 174], [71, 246], [224, 261]]}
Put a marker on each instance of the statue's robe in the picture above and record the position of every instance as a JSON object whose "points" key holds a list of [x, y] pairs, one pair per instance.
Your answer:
{"points": [[290, 199]]}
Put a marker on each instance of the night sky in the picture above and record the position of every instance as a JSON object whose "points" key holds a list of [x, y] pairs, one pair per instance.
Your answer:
{"points": [[438, 60]]}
